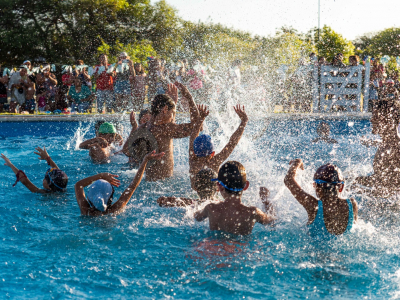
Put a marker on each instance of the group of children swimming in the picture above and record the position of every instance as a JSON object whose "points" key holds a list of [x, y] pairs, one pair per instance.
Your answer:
{"points": [[150, 147]]}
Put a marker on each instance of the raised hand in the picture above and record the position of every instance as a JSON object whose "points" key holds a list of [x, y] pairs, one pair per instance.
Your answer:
{"points": [[172, 91], [43, 155], [111, 179], [264, 194], [184, 90], [7, 162], [154, 156], [203, 111], [132, 119], [241, 113], [297, 163]]}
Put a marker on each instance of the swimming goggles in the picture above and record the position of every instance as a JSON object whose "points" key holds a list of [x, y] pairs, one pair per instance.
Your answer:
{"points": [[49, 180], [230, 189], [320, 181]]}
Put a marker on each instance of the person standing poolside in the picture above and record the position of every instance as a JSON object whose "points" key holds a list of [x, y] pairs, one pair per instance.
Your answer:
{"points": [[157, 83], [104, 85], [201, 149], [125, 73], [54, 180], [386, 178], [15, 85], [231, 215], [164, 129], [331, 215], [98, 200], [80, 95], [30, 91], [100, 148], [139, 87]]}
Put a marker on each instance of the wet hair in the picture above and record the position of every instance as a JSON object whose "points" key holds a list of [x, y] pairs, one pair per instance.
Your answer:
{"points": [[233, 175], [143, 112], [203, 184], [159, 102], [79, 61], [332, 176], [388, 108], [323, 129], [57, 180]]}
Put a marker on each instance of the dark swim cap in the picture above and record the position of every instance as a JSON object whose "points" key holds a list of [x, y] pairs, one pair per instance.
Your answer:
{"points": [[56, 179], [232, 176], [328, 174]]}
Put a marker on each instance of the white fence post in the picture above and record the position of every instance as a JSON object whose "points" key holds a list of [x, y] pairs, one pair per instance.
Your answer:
{"points": [[315, 88], [333, 90], [366, 86]]}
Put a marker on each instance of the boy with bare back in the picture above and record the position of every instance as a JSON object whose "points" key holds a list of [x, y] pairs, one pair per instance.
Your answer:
{"points": [[201, 149], [164, 129], [231, 215]]}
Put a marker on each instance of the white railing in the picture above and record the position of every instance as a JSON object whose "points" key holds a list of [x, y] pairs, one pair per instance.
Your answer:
{"points": [[340, 88]]}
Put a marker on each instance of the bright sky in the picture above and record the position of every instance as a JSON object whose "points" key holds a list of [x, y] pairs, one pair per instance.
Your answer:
{"points": [[351, 18]]}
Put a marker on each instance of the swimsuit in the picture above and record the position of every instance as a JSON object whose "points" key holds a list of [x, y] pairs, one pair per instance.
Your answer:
{"points": [[318, 229]]}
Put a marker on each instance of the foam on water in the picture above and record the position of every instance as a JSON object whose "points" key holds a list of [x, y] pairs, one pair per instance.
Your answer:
{"points": [[50, 251]]}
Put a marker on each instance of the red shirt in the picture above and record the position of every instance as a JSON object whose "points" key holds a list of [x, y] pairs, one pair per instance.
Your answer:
{"points": [[65, 78], [105, 81]]}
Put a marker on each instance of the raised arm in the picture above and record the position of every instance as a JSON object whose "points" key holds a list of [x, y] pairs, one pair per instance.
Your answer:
{"points": [[269, 215], [21, 176], [81, 184], [235, 138], [97, 140], [192, 106], [43, 155], [127, 194], [306, 200], [203, 113]]}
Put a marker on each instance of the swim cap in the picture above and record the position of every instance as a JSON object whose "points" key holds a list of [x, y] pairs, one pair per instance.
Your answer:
{"points": [[100, 194], [56, 179], [232, 176], [107, 128], [328, 174], [203, 146]]}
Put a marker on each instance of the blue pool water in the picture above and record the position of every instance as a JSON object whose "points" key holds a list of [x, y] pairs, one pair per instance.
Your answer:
{"points": [[49, 251]]}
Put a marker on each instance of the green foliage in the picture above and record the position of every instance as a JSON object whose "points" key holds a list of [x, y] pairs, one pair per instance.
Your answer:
{"points": [[331, 43], [386, 42], [138, 52]]}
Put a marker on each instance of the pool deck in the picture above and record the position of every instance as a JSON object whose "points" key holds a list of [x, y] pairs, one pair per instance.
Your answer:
{"points": [[111, 117]]}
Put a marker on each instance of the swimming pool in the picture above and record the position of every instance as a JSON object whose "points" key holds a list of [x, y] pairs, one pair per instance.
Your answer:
{"points": [[50, 251]]}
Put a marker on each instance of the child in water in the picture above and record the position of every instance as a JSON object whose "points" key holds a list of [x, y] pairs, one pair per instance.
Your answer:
{"points": [[98, 200], [54, 180], [323, 131], [204, 186], [231, 215], [101, 146], [201, 149], [331, 215]]}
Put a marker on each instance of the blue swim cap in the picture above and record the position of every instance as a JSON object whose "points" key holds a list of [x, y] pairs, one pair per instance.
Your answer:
{"points": [[203, 146]]}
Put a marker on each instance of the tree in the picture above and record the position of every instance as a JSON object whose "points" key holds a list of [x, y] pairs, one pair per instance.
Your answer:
{"points": [[386, 42], [331, 43], [138, 52]]}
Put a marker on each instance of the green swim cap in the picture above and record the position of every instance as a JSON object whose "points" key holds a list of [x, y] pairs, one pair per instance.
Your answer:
{"points": [[107, 128]]}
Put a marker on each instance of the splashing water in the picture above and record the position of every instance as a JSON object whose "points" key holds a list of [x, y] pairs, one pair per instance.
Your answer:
{"points": [[152, 252]]}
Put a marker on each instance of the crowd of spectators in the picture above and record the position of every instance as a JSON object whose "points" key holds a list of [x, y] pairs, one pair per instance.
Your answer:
{"points": [[106, 87]]}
